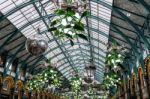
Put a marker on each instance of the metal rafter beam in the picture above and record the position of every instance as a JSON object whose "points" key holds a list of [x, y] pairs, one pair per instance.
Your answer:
{"points": [[122, 19], [69, 44], [67, 71], [16, 9], [122, 15], [127, 39], [101, 63], [121, 33], [71, 63], [12, 59], [10, 37], [139, 31], [145, 5], [76, 60], [73, 51], [88, 32], [122, 9], [15, 47]]}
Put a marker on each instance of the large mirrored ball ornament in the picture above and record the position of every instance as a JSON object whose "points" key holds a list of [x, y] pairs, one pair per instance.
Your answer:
{"points": [[36, 45]]}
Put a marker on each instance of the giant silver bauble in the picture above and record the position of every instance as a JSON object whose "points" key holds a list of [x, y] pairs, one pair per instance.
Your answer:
{"points": [[36, 45]]}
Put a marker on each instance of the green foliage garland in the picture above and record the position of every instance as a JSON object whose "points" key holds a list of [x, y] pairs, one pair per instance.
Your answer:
{"points": [[68, 24], [76, 83], [114, 67], [40, 81]]}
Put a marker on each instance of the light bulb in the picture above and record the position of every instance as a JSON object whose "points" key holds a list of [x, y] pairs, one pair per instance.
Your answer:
{"points": [[118, 60], [66, 30], [60, 30], [119, 55], [115, 66], [69, 19], [77, 15], [64, 22], [70, 32], [109, 55], [113, 61], [72, 24]]}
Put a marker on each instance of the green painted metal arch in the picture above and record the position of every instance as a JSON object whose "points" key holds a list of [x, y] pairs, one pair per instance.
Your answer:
{"points": [[81, 59], [31, 68], [99, 73], [67, 62], [35, 20], [127, 19], [74, 50], [67, 71], [145, 5], [11, 60], [13, 10], [19, 8]]}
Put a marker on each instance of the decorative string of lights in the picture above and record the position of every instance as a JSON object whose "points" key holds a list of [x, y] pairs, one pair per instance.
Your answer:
{"points": [[46, 80]]}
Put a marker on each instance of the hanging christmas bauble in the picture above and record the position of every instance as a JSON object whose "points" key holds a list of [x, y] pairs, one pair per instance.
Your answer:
{"points": [[88, 79], [36, 44]]}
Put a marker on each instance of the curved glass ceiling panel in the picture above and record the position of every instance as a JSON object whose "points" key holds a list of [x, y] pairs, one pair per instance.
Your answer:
{"points": [[28, 16]]}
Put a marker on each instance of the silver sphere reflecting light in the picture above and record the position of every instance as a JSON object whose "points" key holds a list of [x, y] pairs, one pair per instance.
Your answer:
{"points": [[36, 44]]}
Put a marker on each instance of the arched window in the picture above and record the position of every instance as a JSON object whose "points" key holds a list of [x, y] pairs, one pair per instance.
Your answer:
{"points": [[8, 83], [147, 73], [23, 71], [14, 65], [3, 57]]}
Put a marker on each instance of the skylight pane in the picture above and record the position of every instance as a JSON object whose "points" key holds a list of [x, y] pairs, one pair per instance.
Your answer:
{"points": [[6, 6]]}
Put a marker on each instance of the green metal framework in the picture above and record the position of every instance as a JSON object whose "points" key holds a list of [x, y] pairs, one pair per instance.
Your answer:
{"points": [[27, 15]]}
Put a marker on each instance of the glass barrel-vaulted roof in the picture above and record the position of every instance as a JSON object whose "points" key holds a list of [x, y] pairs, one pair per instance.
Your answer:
{"points": [[28, 15]]}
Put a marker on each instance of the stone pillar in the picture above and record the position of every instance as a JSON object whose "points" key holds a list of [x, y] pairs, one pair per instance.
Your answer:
{"points": [[128, 89], [11, 93], [29, 95], [1, 85], [36, 95], [125, 89], [147, 64], [141, 83], [43, 95], [22, 94], [136, 93], [48, 96], [121, 92], [131, 89], [19, 94]]}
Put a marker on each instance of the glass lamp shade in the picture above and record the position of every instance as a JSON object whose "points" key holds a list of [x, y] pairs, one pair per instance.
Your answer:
{"points": [[86, 96], [88, 79], [73, 5], [51, 88], [90, 70], [36, 45]]}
